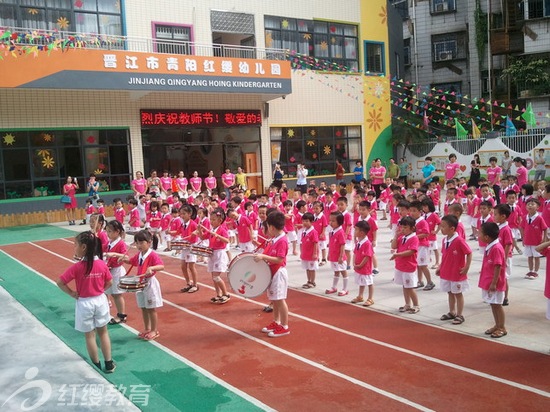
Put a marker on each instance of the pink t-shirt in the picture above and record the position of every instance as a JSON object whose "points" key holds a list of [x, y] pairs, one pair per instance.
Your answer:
{"points": [[120, 214], [546, 212], [423, 228], [348, 225], [533, 230], [91, 285], [279, 248], [380, 171], [320, 223], [453, 258], [166, 182], [521, 174], [481, 221], [228, 179], [187, 229], [118, 247], [460, 230], [289, 222], [154, 219], [152, 259], [243, 229], [494, 255], [363, 250], [493, 175], [433, 220], [196, 183], [134, 221], [175, 225], [210, 182], [336, 240], [215, 242], [165, 221], [505, 237], [407, 263], [140, 185], [182, 183], [451, 170], [308, 247]]}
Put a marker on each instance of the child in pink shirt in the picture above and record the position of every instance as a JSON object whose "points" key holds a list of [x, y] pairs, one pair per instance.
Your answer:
{"points": [[506, 239], [492, 279], [362, 263], [405, 246], [544, 250], [433, 221], [422, 229], [92, 277], [455, 263], [309, 249], [134, 221], [320, 224], [336, 254], [165, 219], [534, 233], [120, 213]]}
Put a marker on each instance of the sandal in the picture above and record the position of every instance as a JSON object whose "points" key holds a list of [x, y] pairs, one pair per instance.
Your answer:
{"points": [[368, 302], [413, 309], [447, 316], [358, 299], [499, 333], [306, 285], [267, 309], [142, 335], [323, 262], [490, 331], [152, 335], [223, 299], [459, 319], [404, 308], [215, 299], [312, 284]]}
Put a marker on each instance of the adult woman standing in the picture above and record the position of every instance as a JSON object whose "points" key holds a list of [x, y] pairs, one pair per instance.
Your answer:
{"points": [[521, 171], [228, 180], [540, 165], [240, 178], [211, 182], [278, 176], [153, 183], [182, 183], [69, 189], [196, 183], [404, 169], [475, 174], [358, 172], [506, 163], [139, 185], [376, 175], [393, 169]]}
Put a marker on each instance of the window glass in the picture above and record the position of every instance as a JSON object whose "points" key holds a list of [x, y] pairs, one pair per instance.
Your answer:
{"points": [[8, 15], [70, 162], [58, 4], [45, 163], [109, 6], [118, 157], [86, 23], [13, 139], [16, 164]]}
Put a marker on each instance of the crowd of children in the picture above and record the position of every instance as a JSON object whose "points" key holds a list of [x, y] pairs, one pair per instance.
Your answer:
{"points": [[322, 228]]}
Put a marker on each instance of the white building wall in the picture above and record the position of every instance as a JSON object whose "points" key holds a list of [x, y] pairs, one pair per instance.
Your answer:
{"points": [[542, 43]]}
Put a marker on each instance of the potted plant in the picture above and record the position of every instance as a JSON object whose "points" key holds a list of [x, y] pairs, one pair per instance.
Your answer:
{"points": [[531, 76]]}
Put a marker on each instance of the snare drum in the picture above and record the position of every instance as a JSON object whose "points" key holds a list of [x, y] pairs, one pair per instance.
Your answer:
{"points": [[201, 250], [247, 277], [180, 244], [132, 283]]}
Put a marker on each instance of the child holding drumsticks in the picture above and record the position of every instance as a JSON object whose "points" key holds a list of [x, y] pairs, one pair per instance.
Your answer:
{"points": [[150, 298], [218, 262], [275, 256], [115, 233], [92, 277], [188, 259]]}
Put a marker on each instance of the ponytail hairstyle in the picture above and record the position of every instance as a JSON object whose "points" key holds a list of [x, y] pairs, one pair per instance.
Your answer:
{"points": [[116, 226], [93, 248]]}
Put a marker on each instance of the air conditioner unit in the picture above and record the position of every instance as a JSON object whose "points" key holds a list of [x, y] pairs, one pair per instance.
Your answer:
{"points": [[445, 55]]}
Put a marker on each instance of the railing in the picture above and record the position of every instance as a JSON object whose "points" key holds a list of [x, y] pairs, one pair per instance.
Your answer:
{"points": [[44, 38], [520, 142]]}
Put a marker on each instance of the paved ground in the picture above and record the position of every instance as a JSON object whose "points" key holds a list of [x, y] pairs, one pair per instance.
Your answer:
{"points": [[31, 354]]}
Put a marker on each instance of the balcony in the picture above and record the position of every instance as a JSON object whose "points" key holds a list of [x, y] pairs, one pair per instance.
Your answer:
{"points": [[506, 42], [22, 38]]}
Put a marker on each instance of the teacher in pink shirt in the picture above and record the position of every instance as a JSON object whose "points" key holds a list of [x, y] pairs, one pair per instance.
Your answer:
{"points": [[377, 173], [452, 168]]}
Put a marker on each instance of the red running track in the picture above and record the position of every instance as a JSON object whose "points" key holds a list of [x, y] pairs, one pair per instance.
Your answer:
{"points": [[338, 356]]}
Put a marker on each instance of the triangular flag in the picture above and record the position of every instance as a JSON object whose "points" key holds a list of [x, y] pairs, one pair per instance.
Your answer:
{"points": [[475, 130], [510, 128], [529, 116], [461, 132]]}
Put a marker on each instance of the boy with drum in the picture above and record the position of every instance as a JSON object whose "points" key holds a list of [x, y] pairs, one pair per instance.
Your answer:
{"points": [[275, 256]]}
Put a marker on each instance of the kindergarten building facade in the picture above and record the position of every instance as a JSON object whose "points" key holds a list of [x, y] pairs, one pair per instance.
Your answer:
{"points": [[112, 87]]}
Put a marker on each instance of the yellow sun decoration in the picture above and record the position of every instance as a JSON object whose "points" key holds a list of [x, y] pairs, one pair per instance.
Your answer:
{"points": [[43, 153], [311, 143], [290, 133], [32, 11], [62, 22], [327, 150], [47, 137], [9, 139], [48, 162], [324, 45], [98, 172], [313, 132]]}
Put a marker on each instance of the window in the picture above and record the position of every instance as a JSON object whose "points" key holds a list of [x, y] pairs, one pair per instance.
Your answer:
{"points": [[36, 162], [335, 43], [317, 147], [374, 58], [402, 7], [407, 59], [89, 16], [538, 9], [449, 46], [172, 39], [443, 6]]}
